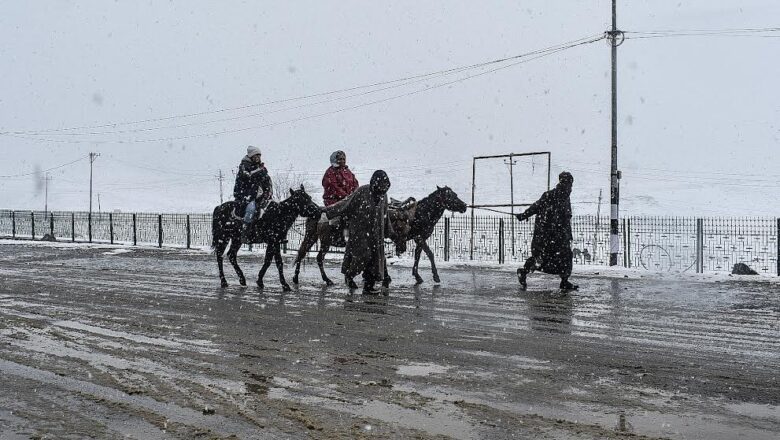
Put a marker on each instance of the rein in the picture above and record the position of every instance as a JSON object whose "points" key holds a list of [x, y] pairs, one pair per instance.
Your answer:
{"points": [[489, 209]]}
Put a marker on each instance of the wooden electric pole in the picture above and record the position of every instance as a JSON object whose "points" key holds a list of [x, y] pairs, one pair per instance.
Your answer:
{"points": [[92, 157], [220, 177]]}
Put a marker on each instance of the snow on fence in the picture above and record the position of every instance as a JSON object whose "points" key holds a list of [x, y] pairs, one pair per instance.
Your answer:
{"points": [[654, 243]]}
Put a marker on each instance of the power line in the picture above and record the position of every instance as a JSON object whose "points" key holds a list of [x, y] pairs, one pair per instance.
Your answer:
{"points": [[747, 32], [523, 58], [10, 176]]}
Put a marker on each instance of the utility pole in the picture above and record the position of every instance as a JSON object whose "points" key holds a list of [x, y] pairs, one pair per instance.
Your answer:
{"points": [[46, 198], [92, 157], [615, 38], [220, 177], [598, 222], [511, 164]]}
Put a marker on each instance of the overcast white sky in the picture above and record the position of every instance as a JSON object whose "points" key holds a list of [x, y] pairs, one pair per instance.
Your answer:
{"points": [[698, 131]]}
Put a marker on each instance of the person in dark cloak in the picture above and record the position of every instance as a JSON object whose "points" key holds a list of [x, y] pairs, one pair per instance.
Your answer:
{"points": [[551, 245], [253, 188], [368, 226]]}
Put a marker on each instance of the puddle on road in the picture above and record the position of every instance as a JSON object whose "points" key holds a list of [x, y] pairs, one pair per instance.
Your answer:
{"points": [[521, 362], [201, 345], [421, 369], [118, 251], [754, 410], [441, 419]]}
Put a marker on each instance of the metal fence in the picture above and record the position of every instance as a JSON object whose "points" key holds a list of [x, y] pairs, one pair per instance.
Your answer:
{"points": [[653, 243]]}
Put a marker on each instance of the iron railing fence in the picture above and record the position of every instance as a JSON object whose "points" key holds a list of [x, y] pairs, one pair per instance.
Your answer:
{"points": [[677, 244]]}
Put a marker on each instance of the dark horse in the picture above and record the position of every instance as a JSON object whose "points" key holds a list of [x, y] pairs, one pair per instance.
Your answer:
{"points": [[427, 213], [271, 229], [398, 213]]}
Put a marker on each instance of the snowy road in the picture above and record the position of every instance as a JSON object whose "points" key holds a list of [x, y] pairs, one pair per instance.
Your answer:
{"points": [[110, 342]]}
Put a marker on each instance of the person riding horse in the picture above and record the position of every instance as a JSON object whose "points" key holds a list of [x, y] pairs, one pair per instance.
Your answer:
{"points": [[253, 188], [338, 183]]}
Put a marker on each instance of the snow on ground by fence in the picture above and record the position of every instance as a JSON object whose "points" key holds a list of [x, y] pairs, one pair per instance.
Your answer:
{"points": [[661, 244]]}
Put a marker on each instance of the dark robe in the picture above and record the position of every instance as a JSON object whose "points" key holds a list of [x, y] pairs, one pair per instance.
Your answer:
{"points": [[551, 245], [367, 224]]}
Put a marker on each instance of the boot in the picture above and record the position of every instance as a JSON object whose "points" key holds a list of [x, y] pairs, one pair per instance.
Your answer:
{"points": [[521, 274], [368, 289], [566, 285]]}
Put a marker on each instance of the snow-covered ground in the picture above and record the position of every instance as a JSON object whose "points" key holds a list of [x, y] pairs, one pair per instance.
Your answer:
{"points": [[424, 264]]}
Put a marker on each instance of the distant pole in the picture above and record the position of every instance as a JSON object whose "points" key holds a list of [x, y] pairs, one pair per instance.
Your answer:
{"points": [[473, 188], [598, 221], [92, 157], [98, 203], [46, 198], [511, 163], [615, 38], [220, 177]]}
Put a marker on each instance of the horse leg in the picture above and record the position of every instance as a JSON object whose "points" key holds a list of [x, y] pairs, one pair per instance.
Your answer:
{"points": [[269, 255], [308, 241], [324, 247], [280, 268], [387, 280], [417, 252], [235, 245], [429, 254], [219, 249]]}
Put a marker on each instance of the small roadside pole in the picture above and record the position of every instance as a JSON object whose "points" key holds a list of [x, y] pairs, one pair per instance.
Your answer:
{"points": [[135, 232], [51, 224], [32, 224], [501, 241], [13, 224], [188, 231], [699, 245], [446, 239], [159, 230], [73, 226], [111, 227], [778, 247]]}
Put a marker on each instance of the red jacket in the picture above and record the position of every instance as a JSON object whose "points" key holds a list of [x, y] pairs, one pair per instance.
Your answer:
{"points": [[338, 184]]}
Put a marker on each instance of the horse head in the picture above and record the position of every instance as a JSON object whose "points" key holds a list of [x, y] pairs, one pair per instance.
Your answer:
{"points": [[447, 198], [304, 205]]}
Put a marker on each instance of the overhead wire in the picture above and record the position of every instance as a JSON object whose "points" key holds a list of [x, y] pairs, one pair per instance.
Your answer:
{"points": [[523, 58], [11, 176], [666, 33]]}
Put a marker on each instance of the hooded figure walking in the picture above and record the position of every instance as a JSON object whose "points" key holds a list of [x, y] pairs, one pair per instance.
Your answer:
{"points": [[551, 246], [368, 226]]}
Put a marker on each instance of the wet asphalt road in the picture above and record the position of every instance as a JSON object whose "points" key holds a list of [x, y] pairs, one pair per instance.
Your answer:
{"points": [[142, 343]]}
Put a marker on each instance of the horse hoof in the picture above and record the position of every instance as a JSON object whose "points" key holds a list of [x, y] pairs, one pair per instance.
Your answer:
{"points": [[286, 288], [242, 282], [436, 279], [328, 282], [295, 279], [260, 284], [224, 284], [418, 281]]}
